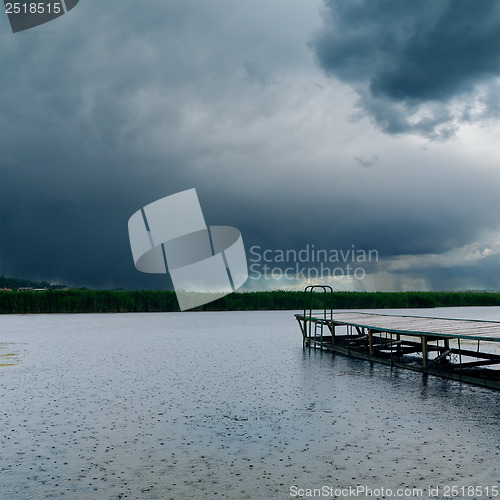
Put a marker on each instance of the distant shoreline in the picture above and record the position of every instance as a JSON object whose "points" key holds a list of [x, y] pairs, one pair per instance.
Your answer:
{"points": [[115, 301]]}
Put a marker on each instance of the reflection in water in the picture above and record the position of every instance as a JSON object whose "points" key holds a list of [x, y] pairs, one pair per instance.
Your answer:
{"points": [[9, 358]]}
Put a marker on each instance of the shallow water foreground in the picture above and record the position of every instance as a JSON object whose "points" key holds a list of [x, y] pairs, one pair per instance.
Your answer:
{"points": [[227, 405]]}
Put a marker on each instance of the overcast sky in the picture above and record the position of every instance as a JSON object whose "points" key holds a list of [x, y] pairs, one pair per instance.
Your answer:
{"points": [[373, 123]]}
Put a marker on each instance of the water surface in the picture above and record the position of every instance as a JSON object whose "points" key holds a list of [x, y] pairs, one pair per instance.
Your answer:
{"points": [[225, 405]]}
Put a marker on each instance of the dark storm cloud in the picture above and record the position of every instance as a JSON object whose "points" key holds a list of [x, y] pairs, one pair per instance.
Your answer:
{"points": [[409, 60], [113, 109], [120, 106]]}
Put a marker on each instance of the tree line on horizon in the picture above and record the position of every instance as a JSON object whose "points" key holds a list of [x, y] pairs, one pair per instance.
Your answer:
{"points": [[114, 301]]}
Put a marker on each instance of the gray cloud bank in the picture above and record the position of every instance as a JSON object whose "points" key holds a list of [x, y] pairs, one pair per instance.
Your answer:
{"points": [[116, 107], [418, 66]]}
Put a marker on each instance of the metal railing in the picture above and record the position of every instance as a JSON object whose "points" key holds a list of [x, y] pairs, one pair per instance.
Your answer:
{"points": [[327, 313]]}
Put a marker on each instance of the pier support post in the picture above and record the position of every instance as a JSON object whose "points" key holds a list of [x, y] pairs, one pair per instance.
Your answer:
{"points": [[370, 342], [425, 353]]}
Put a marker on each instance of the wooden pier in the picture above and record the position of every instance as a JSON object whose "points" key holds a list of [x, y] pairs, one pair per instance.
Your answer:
{"points": [[465, 350]]}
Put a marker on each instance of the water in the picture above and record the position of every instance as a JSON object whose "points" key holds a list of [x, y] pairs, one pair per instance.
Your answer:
{"points": [[226, 405]]}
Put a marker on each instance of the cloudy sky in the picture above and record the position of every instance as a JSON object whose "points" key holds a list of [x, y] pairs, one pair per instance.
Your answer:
{"points": [[366, 125]]}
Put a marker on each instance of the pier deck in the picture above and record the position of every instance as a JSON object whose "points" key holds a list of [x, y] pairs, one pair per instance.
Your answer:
{"points": [[466, 350]]}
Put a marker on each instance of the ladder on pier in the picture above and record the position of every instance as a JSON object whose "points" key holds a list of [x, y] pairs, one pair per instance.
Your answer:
{"points": [[319, 319]]}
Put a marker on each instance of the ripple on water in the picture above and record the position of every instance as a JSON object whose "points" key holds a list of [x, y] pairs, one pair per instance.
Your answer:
{"points": [[223, 405]]}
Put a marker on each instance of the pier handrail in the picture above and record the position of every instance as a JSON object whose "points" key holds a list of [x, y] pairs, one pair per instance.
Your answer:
{"points": [[327, 293]]}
